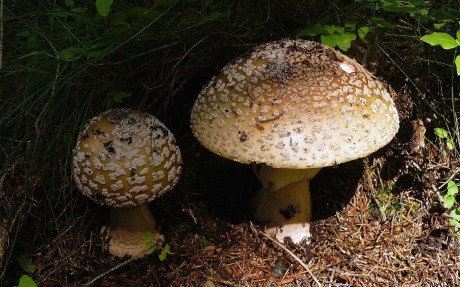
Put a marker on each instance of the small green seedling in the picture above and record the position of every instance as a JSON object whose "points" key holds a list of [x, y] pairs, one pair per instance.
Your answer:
{"points": [[443, 134], [153, 244], [450, 201], [164, 252], [26, 264], [150, 242]]}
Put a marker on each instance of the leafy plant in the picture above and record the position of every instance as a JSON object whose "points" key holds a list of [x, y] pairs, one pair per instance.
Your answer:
{"points": [[449, 202], [26, 264], [449, 197], [153, 244], [164, 252], [443, 134], [446, 42], [358, 26], [340, 36], [115, 98], [26, 281]]}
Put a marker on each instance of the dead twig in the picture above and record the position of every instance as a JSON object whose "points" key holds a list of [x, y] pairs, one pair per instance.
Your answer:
{"points": [[450, 178], [285, 249], [116, 267]]}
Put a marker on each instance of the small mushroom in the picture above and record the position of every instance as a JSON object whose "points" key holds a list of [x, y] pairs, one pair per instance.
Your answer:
{"points": [[292, 107], [125, 159]]}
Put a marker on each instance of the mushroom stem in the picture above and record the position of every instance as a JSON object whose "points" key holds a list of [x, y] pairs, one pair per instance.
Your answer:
{"points": [[128, 229], [284, 204]]}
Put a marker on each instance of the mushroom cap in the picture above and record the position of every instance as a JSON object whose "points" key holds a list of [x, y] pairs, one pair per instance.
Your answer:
{"points": [[294, 104], [125, 158]]}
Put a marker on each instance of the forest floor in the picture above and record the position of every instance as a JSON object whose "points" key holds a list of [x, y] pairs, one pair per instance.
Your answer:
{"points": [[376, 222]]}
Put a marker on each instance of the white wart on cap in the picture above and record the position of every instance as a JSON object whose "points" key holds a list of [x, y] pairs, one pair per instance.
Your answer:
{"points": [[294, 104]]}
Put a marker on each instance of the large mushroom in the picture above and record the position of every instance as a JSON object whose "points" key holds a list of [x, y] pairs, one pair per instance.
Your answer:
{"points": [[292, 107], [125, 159]]}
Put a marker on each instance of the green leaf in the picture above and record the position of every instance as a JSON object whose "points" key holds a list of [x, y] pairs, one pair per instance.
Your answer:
{"points": [[164, 252], [457, 64], [362, 32], [148, 237], [454, 223], [397, 6], [103, 7], [150, 243], [458, 35], [26, 281], [329, 40], [151, 249], [331, 29], [450, 144], [441, 133], [318, 29], [452, 188], [439, 25], [440, 38], [69, 3], [423, 12], [343, 41], [455, 214], [120, 96], [449, 201], [26, 263]]}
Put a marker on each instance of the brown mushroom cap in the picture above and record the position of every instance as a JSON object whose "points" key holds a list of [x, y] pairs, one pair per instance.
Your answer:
{"points": [[125, 158], [294, 104]]}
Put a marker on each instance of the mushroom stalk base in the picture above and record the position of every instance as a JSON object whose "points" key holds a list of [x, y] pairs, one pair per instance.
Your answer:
{"points": [[283, 204], [128, 230]]}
